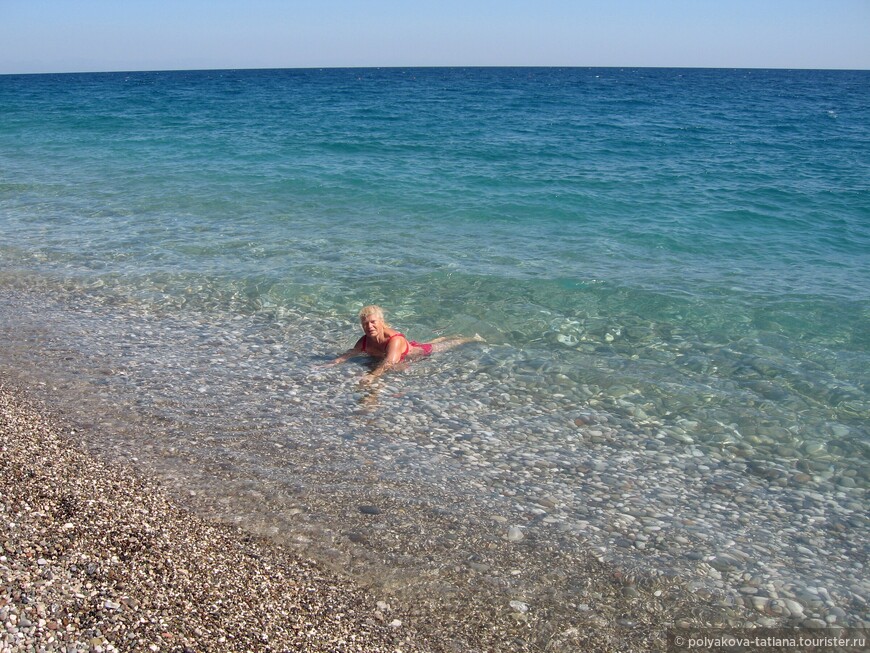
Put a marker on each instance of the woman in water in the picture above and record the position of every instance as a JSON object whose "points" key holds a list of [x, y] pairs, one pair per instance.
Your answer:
{"points": [[382, 341]]}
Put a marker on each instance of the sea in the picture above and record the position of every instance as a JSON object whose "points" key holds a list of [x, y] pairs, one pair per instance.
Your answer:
{"points": [[669, 269]]}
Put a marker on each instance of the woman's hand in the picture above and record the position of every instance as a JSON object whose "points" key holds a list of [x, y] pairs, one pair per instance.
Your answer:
{"points": [[346, 356]]}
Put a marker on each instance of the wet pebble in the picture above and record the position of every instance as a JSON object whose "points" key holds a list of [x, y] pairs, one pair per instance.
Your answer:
{"points": [[515, 534], [370, 510]]}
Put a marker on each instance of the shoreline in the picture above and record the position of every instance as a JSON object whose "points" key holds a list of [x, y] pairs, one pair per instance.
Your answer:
{"points": [[455, 578], [96, 557]]}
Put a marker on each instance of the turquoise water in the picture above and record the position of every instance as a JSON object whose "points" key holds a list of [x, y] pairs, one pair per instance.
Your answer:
{"points": [[542, 208], [680, 254]]}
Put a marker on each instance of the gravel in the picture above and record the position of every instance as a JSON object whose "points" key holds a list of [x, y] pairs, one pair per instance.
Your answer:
{"points": [[95, 558]]}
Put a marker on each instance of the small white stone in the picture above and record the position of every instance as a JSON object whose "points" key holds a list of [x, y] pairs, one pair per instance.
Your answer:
{"points": [[519, 606], [396, 623]]}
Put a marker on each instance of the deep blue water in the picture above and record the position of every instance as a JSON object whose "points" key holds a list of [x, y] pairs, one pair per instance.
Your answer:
{"points": [[668, 247]]}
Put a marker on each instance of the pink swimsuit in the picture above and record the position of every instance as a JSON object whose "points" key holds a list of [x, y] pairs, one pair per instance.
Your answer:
{"points": [[425, 346]]}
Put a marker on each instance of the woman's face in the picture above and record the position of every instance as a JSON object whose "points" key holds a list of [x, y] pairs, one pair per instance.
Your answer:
{"points": [[373, 325]]}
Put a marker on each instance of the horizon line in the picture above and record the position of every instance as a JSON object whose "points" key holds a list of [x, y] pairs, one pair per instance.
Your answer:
{"points": [[424, 67]]}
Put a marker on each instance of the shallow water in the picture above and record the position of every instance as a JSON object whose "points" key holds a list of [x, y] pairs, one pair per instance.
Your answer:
{"points": [[669, 268]]}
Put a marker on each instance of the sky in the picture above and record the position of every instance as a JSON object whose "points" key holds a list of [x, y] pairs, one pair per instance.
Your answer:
{"points": [[125, 35]]}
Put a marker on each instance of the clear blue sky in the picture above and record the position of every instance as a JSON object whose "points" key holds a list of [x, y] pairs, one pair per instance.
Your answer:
{"points": [[102, 35]]}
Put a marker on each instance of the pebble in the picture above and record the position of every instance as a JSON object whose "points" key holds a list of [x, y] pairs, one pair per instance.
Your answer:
{"points": [[370, 510], [795, 609], [837, 612], [515, 534], [759, 603], [725, 563]]}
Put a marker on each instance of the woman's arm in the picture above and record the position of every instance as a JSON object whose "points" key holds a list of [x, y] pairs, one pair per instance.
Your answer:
{"points": [[395, 348], [356, 350]]}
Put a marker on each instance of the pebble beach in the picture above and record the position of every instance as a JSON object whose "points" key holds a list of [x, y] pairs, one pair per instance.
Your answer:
{"points": [[97, 558], [666, 425], [509, 563]]}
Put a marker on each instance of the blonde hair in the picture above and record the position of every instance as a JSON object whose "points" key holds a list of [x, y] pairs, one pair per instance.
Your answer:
{"points": [[376, 311]]}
